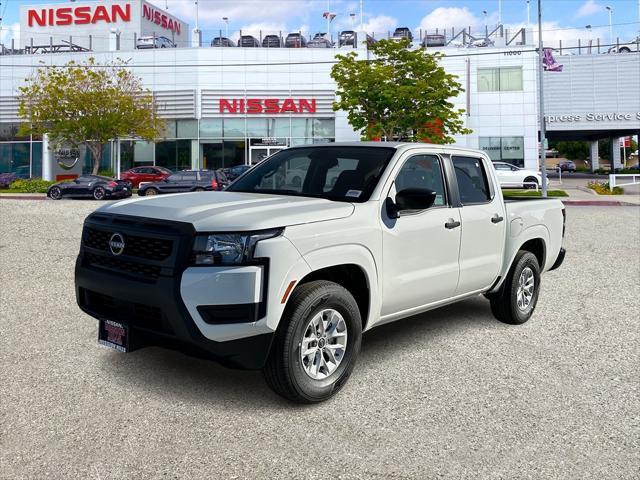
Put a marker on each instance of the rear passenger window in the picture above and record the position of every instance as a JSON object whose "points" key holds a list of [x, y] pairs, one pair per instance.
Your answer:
{"points": [[423, 171], [473, 183]]}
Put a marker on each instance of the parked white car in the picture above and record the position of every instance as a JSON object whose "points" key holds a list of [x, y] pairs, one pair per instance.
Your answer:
{"points": [[511, 176], [154, 42], [286, 277], [632, 46]]}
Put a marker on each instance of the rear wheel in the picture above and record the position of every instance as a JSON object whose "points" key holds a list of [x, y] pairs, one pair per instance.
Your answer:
{"points": [[516, 300], [99, 193], [529, 182], [198, 189], [625, 50], [316, 344], [55, 193]]}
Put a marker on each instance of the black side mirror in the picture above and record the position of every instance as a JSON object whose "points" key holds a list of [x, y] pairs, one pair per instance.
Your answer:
{"points": [[411, 200]]}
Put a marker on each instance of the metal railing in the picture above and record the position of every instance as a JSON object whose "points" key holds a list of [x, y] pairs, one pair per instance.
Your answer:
{"points": [[635, 179]]}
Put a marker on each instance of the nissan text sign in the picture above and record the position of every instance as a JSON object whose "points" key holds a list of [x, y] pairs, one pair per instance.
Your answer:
{"points": [[90, 24]]}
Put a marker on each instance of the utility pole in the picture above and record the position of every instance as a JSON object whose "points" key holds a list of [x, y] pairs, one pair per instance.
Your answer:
{"points": [[610, 9], [543, 133], [528, 13]]}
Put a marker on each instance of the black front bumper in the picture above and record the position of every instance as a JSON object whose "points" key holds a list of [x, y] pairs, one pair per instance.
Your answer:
{"points": [[148, 300]]}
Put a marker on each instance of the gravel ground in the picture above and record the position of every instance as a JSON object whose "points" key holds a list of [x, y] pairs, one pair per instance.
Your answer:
{"points": [[449, 394]]}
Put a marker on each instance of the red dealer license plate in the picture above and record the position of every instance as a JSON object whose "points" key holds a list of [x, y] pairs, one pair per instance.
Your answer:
{"points": [[113, 335]]}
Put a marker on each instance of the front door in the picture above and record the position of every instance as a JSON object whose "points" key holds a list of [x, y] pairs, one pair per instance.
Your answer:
{"points": [[483, 225], [420, 251]]}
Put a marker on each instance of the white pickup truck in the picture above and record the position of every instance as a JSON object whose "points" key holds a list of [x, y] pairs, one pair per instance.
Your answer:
{"points": [[285, 277]]}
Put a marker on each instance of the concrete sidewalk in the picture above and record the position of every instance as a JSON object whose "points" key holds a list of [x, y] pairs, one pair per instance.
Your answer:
{"points": [[579, 194]]}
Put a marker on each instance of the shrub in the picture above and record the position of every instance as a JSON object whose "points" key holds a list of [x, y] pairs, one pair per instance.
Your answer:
{"points": [[7, 179], [602, 188], [107, 173], [33, 185]]}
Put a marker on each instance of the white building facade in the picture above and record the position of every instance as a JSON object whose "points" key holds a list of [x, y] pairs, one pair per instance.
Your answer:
{"points": [[229, 106]]}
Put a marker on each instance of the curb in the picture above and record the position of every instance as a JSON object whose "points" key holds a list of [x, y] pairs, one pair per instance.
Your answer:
{"points": [[599, 203], [23, 197]]}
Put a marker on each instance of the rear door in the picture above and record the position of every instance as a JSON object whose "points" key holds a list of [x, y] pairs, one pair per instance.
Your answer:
{"points": [[420, 250], [483, 224], [189, 181], [173, 184]]}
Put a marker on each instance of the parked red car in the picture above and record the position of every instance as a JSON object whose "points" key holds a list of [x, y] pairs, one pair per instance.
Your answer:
{"points": [[145, 174]]}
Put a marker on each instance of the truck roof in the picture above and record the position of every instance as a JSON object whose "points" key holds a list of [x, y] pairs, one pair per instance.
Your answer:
{"points": [[396, 145]]}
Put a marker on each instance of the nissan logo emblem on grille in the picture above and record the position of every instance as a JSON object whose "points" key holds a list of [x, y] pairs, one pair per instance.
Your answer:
{"points": [[116, 244]]}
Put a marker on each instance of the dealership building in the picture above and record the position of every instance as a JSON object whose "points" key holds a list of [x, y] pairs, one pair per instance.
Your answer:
{"points": [[228, 106]]}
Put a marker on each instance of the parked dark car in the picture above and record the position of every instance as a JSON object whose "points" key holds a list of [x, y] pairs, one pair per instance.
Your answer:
{"points": [[567, 166], [234, 172], [402, 32], [272, 41], [295, 40], [347, 38], [248, 41], [222, 42], [187, 181], [319, 41], [136, 175], [90, 186]]}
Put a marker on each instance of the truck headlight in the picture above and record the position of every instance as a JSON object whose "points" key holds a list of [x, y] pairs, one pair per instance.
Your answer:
{"points": [[228, 248]]}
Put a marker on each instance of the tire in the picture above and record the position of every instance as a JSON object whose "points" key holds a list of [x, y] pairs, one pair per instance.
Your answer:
{"points": [[150, 191], [55, 193], [530, 180], [310, 379], [624, 50], [99, 193], [505, 304], [198, 189]]}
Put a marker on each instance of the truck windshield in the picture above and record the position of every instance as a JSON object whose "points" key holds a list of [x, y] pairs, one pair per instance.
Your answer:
{"points": [[348, 174]]}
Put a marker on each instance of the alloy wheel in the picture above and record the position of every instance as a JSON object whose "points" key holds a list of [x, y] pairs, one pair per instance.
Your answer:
{"points": [[526, 287], [324, 344]]}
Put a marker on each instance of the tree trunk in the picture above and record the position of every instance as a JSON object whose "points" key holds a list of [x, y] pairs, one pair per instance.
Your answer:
{"points": [[96, 154]]}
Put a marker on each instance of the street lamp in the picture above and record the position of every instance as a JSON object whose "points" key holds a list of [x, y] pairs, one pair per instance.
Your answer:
{"points": [[226, 26], [610, 9]]}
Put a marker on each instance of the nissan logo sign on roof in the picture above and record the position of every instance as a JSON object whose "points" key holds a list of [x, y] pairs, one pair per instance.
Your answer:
{"points": [[89, 24]]}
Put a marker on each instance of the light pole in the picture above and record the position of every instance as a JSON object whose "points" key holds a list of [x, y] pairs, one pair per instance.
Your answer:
{"points": [[499, 12], [528, 13], [610, 9], [226, 26], [362, 13], [543, 132], [352, 17]]}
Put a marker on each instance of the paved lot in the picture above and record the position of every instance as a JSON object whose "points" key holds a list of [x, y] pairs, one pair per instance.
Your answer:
{"points": [[451, 394]]}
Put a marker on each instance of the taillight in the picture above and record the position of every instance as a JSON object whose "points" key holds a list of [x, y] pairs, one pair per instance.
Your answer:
{"points": [[564, 221], [214, 183]]}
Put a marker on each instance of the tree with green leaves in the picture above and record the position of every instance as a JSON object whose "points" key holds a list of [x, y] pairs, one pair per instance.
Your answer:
{"points": [[88, 104], [399, 94]]}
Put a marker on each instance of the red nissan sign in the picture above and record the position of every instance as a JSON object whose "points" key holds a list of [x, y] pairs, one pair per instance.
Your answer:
{"points": [[79, 15], [267, 105], [160, 19]]}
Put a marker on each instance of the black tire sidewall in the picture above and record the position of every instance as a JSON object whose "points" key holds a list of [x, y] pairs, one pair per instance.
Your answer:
{"points": [[527, 259], [58, 197], [98, 189], [317, 390]]}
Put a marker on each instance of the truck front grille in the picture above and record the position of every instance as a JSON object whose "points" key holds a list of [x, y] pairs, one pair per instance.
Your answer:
{"points": [[117, 264], [148, 248]]}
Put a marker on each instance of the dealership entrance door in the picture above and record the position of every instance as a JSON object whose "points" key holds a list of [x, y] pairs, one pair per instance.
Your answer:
{"points": [[261, 148], [216, 154]]}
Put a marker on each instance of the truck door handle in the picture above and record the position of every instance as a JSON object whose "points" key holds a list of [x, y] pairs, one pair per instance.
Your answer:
{"points": [[496, 218], [451, 224]]}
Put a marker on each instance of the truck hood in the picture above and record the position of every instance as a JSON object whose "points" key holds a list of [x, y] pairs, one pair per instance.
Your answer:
{"points": [[232, 211]]}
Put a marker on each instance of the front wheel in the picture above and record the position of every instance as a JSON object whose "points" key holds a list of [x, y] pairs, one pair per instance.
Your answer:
{"points": [[516, 300], [529, 182], [55, 193], [99, 193], [150, 192], [625, 50], [317, 343]]}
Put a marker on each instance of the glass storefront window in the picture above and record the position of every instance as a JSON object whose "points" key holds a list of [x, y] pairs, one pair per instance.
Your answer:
{"points": [[211, 128], [504, 149], [36, 159], [511, 79], [233, 127], [9, 132], [279, 127], [219, 154], [169, 130], [302, 127], [174, 155], [14, 158], [257, 127], [324, 127], [187, 129]]}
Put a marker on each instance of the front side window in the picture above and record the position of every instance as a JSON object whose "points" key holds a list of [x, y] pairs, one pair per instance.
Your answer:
{"points": [[347, 174], [423, 171], [473, 183], [175, 178]]}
